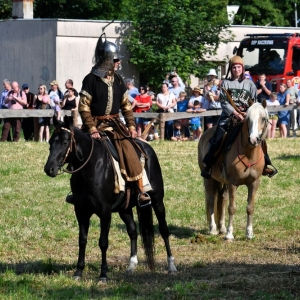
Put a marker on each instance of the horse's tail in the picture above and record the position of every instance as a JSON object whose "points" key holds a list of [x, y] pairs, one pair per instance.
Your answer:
{"points": [[145, 217]]}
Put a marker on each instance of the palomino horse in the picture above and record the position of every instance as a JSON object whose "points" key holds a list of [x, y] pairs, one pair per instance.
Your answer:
{"points": [[242, 164], [92, 185]]}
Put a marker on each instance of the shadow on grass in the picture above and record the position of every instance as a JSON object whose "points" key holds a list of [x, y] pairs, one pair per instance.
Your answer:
{"points": [[288, 157], [198, 281], [180, 232]]}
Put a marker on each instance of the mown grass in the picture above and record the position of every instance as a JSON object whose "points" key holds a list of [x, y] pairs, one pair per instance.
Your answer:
{"points": [[38, 240]]}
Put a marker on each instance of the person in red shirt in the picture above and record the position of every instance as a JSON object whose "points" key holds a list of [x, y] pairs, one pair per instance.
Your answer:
{"points": [[141, 103]]}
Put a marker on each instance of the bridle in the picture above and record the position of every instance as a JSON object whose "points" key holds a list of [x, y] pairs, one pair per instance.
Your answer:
{"points": [[249, 165], [70, 149]]}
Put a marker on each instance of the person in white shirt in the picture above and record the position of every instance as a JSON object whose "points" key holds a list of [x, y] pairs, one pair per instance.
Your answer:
{"points": [[166, 102], [273, 117]]}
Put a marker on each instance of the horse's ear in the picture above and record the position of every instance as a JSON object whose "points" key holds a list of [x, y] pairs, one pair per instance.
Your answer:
{"points": [[67, 123], [56, 122], [264, 103], [250, 102]]}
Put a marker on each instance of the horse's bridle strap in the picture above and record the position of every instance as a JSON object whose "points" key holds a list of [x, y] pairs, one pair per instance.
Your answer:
{"points": [[70, 150]]}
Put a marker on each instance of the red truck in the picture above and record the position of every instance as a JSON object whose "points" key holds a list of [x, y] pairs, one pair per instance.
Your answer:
{"points": [[276, 55]]}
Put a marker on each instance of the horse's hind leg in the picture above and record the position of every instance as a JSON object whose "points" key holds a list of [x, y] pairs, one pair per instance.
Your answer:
{"points": [[127, 217], [160, 212], [210, 194], [250, 207], [83, 219]]}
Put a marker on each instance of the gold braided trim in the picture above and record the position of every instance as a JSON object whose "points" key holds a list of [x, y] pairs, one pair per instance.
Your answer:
{"points": [[86, 94], [84, 104], [136, 178]]}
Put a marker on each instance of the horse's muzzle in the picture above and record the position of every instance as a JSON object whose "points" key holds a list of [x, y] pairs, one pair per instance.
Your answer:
{"points": [[50, 169], [254, 141]]}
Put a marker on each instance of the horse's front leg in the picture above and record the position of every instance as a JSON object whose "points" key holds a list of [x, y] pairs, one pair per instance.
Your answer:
{"points": [[210, 194], [127, 217], [252, 189], [105, 220], [83, 219], [231, 211], [221, 207], [160, 212]]}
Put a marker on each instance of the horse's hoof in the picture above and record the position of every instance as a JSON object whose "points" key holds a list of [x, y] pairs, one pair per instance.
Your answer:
{"points": [[77, 278], [172, 272], [222, 230], [229, 240], [214, 232], [102, 280], [129, 271]]}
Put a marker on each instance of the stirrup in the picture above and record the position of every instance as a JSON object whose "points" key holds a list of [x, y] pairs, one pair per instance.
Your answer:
{"points": [[144, 203], [270, 172]]}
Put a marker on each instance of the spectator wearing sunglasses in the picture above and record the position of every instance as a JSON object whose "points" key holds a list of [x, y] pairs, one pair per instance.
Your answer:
{"points": [[141, 103]]}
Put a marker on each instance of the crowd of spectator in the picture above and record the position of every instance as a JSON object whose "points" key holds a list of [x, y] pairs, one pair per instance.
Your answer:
{"points": [[173, 98], [14, 97]]}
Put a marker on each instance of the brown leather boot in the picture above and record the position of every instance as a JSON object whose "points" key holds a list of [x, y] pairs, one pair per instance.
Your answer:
{"points": [[269, 172], [142, 195]]}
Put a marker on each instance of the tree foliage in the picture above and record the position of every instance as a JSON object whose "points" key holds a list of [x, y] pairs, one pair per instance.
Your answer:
{"points": [[178, 34], [268, 12], [77, 9], [5, 9]]}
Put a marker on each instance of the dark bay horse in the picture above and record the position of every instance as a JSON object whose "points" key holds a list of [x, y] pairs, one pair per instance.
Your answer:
{"points": [[242, 164], [92, 185]]}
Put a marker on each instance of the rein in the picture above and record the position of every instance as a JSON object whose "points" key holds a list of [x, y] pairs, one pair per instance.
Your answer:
{"points": [[73, 141]]}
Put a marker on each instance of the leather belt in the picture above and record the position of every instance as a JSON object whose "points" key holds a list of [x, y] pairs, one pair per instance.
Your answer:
{"points": [[107, 117]]}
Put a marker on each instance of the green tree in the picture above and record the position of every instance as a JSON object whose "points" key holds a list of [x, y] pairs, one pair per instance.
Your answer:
{"points": [[175, 35], [268, 12], [5, 9], [77, 9]]}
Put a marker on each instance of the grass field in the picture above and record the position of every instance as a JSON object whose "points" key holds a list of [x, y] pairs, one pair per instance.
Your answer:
{"points": [[38, 235]]}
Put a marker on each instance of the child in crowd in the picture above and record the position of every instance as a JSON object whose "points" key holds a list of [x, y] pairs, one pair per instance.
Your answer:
{"points": [[182, 106], [273, 117], [153, 133], [182, 102], [57, 107], [180, 132], [247, 75], [195, 122]]}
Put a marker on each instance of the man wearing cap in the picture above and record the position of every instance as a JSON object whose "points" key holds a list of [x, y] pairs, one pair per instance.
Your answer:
{"points": [[211, 75], [28, 123], [242, 90], [102, 95]]}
